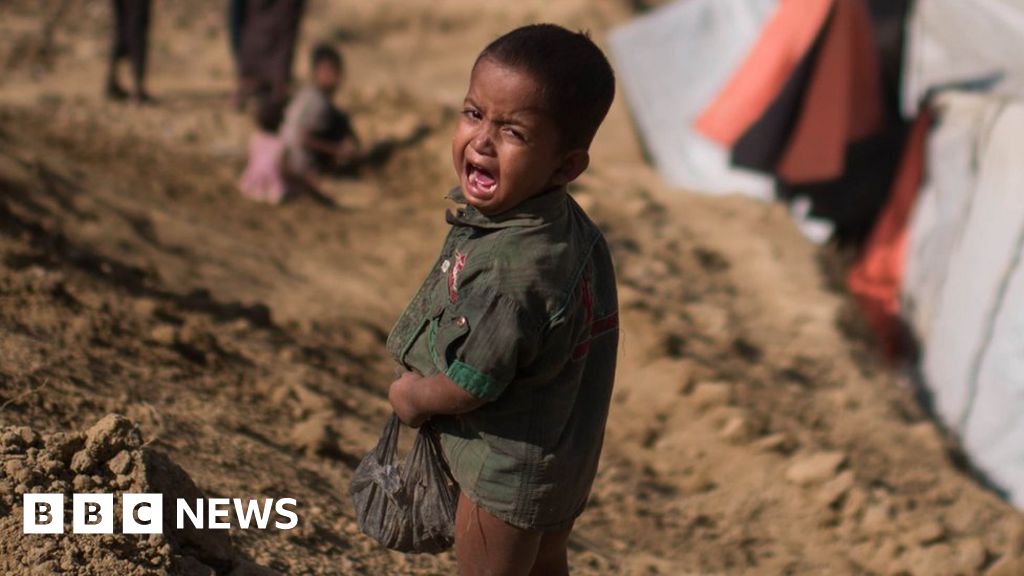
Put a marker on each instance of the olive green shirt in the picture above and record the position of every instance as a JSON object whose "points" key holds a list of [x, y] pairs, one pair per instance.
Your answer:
{"points": [[520, 310]]}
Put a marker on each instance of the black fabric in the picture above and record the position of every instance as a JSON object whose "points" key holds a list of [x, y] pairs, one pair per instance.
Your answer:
{"points": [[853, 202], [131, 34], [762, 145], [267, 44], [337, 130], [888, 22], [407, 507]]}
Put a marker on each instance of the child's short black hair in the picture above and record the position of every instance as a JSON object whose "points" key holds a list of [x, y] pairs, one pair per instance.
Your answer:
{"points": [[324, 52], [270, 114], [576, 78]]}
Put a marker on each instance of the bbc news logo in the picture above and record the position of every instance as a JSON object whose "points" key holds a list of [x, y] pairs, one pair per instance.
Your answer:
{"points": [[144, 513]]}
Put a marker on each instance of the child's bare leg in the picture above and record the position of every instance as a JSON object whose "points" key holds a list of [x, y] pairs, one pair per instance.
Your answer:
{"points": [[552, 559], [487, 546]]}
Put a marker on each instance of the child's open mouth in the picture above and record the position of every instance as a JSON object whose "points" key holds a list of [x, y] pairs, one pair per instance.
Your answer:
{"points": [[481, 182]]}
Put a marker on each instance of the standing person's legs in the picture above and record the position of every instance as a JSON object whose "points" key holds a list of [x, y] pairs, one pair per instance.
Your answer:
{"points": [[138, 43], [236, 21], [118, 49], [279, 66], [256, 36], [488, 546], [236, 26]]}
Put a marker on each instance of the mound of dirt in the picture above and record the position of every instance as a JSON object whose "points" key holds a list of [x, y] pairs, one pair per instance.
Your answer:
{"points": [[109, 458]]}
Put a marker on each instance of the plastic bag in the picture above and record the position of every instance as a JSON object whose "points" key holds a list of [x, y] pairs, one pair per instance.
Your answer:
{"points": [[408, 507]]}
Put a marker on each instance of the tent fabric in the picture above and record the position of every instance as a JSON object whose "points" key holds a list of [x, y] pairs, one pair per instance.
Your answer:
{"points": [[843, 100], [994, 430], [944, 201], [974, 284], [963, 43], [832, 97], [745, 78], [876, 278], [761, 145], [670, 63], [783, 43], [889, 23], [964, 291], [853, 202]]}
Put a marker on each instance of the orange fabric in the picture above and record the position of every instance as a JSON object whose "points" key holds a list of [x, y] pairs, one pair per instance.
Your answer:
{"points": [[842, 102], [875, 280], [786, 38]]}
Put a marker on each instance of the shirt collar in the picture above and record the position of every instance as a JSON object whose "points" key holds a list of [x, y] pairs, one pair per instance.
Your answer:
{"points": [[540, 209]]}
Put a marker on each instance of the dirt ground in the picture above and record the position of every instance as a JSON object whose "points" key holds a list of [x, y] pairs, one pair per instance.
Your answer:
{"points": [[749, 434]]}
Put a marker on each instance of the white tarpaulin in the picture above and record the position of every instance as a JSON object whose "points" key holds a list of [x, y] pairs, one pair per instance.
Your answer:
{"points": [[671, 63], [964, 287], [963, 43], [937, 221]]}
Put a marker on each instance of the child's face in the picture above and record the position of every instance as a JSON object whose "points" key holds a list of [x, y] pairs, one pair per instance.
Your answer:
{"points": [[326, 76], [506, 147]]}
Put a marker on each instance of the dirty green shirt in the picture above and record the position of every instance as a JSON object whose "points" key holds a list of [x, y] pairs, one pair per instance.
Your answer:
{"points": [[520, 310]]}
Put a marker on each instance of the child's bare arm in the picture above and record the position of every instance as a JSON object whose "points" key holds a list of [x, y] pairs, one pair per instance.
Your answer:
{"points": [[315, 144], [342, 151], [416, 398]]}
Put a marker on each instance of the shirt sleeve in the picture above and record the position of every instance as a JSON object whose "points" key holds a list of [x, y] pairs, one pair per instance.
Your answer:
{"points": [[303, 115], [485, 338]]}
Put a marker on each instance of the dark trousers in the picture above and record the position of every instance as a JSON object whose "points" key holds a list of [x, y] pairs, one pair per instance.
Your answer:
{"points": [[236, 23], [270, 30], [131, 36]]}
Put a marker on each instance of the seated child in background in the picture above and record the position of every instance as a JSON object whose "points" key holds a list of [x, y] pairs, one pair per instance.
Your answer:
{"points": [[318, 136], [510, 343], [263, 179]]}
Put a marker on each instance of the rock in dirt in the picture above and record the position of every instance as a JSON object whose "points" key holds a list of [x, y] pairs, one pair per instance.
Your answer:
{"points": [[736, 430], [309, 400], [63, 446], [855, 503], [877, 519], [145, 307], [929, 532], [108, 458], [1007, 566], [121, 463], [881, 558], [945, 558], [82, 462], [698, 482], [777, 442], [164, 334], [971, 555], [315, 435], [708, 394], [814, 468], [836, 488], [927, 435], [938, 559], [111, 435]]}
